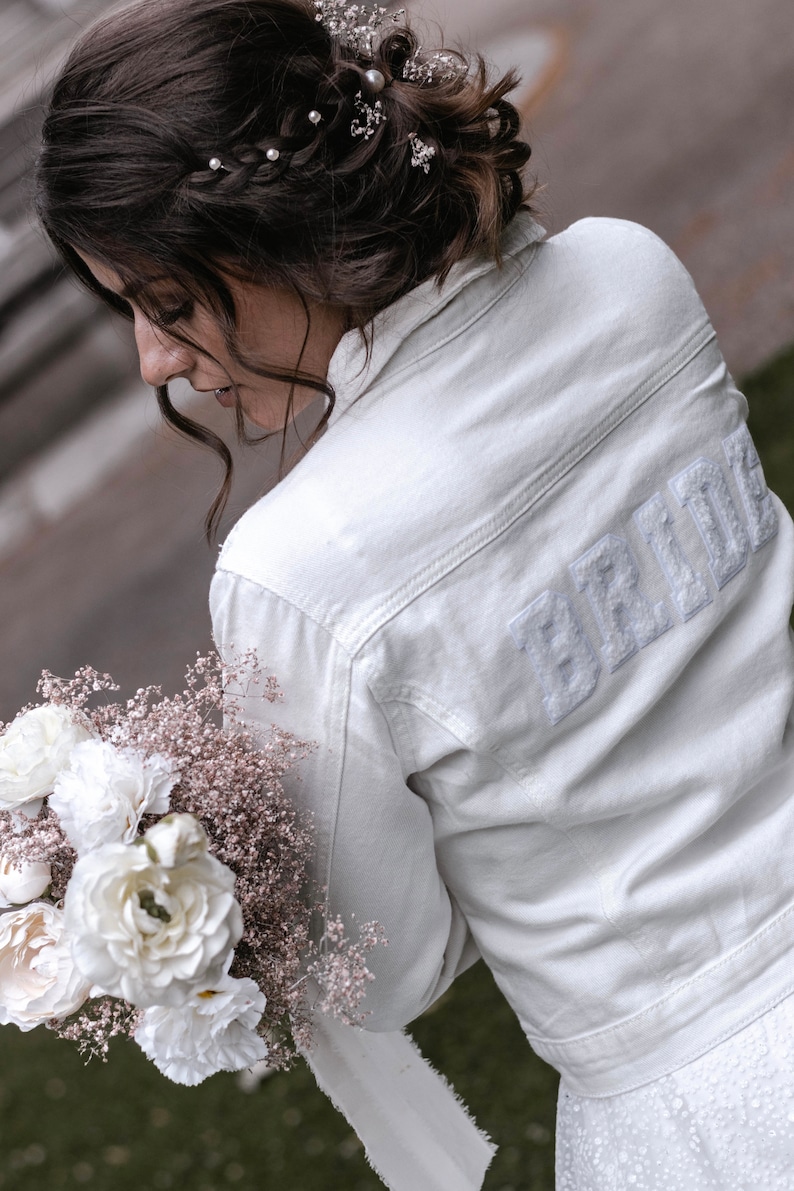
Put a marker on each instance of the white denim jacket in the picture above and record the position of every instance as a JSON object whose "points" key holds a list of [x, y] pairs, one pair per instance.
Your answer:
{"points": [[530, 597]]}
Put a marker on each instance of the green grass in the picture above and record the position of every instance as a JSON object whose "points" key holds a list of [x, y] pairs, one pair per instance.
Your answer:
{"points": [[770, 393], [122, 1127]]}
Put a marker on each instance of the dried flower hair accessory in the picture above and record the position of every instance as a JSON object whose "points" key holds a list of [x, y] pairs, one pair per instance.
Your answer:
{"points": [[355, 25], [367, 117], [421, 154], [441, 67]]}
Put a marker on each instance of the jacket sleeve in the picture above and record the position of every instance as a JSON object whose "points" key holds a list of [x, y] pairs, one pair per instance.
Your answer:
{"points": [[374, 836]]}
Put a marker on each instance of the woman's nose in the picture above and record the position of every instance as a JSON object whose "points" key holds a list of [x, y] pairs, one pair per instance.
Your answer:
{"points": [[162, 359]]}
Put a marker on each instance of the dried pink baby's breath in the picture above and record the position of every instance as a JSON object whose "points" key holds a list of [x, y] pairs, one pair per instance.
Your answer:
{"points": [[96, 1023], [39, 840], [340, 970], [74, 692]]}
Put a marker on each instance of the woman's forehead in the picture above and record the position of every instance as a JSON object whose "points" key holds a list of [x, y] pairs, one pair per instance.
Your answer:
{"points": [[120, 283]]}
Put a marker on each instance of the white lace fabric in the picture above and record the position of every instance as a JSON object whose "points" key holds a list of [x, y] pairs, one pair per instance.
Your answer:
{"points": [[724, 1122]]}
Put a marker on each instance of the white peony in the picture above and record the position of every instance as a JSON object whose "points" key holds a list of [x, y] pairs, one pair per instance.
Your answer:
{"points": [[214, 1031], [33, 751], [38, 978], [102, 795], [23, 884], [150, 934]]}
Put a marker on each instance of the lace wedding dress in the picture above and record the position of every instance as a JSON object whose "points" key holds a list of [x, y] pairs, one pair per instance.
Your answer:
{"points": [[724, 1122]]}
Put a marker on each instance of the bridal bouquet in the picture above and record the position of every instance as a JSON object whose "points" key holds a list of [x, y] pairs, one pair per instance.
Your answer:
{"points": [[153, 878]]}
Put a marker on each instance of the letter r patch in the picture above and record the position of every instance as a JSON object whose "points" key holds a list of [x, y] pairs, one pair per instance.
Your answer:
{"points": [[609, 575]]}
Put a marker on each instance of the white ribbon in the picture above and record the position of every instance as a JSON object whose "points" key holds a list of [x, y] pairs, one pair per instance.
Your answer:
{"points": [[417, 1134]]}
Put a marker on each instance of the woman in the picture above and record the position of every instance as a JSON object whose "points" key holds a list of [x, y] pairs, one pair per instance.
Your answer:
{"points": [[526, 590]]}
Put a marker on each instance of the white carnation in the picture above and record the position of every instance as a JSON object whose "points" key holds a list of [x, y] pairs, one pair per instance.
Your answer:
{"points": [[22, 884], [38, 978], [214, 1031], [33, 751], [150, 934], [102, 795]]}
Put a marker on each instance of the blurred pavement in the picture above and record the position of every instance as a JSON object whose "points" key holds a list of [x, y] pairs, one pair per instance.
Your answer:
{"points": [[59, 355], [677, 115]]}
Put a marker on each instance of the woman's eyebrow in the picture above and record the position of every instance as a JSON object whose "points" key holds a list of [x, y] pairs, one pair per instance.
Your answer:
{"points": [[135, 288]]}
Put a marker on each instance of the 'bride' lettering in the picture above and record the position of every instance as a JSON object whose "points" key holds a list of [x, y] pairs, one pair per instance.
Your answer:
{"points": [[550, 630]]}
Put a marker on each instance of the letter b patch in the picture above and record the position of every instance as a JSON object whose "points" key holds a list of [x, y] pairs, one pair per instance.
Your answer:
{"points": [[552, 634]]}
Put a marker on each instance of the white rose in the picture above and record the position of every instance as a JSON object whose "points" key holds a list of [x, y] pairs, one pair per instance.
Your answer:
{"points": [[33, 751], [214, 1031], [147, 933], [22, 884], [103, 793], [176, 839], [38, 978]]}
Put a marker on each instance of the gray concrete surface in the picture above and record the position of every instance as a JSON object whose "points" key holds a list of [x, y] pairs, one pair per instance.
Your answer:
{"points": [[677, 115], [58, 353]]}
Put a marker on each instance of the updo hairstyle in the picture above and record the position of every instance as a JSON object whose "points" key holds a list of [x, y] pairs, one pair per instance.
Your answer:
{"points": [[154, 93]]}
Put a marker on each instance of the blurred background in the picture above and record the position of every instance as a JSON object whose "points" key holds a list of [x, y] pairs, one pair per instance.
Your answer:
{"points": [[676, 115]]}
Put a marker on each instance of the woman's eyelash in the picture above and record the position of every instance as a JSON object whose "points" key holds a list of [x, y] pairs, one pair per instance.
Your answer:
{"points": [[167, 318]]}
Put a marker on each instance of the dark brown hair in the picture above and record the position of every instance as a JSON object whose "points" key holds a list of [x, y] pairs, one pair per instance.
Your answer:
{"points": [[151, 94]]}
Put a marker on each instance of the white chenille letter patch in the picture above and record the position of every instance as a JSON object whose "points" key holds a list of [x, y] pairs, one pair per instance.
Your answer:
{"points": [[743, 458], [628, 621], [702, 487], [687, 586], [552, 634]]}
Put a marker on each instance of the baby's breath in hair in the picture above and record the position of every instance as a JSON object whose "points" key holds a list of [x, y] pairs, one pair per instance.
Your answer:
{"points": [[355, 25]]}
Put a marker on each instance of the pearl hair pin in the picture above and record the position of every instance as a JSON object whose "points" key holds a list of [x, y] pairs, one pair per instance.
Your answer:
{"points": [[376, 80], [315, 117], [216, 164]]}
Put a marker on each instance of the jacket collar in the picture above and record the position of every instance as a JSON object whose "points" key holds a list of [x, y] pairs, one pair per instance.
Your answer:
{"points": [[351, 371]]}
